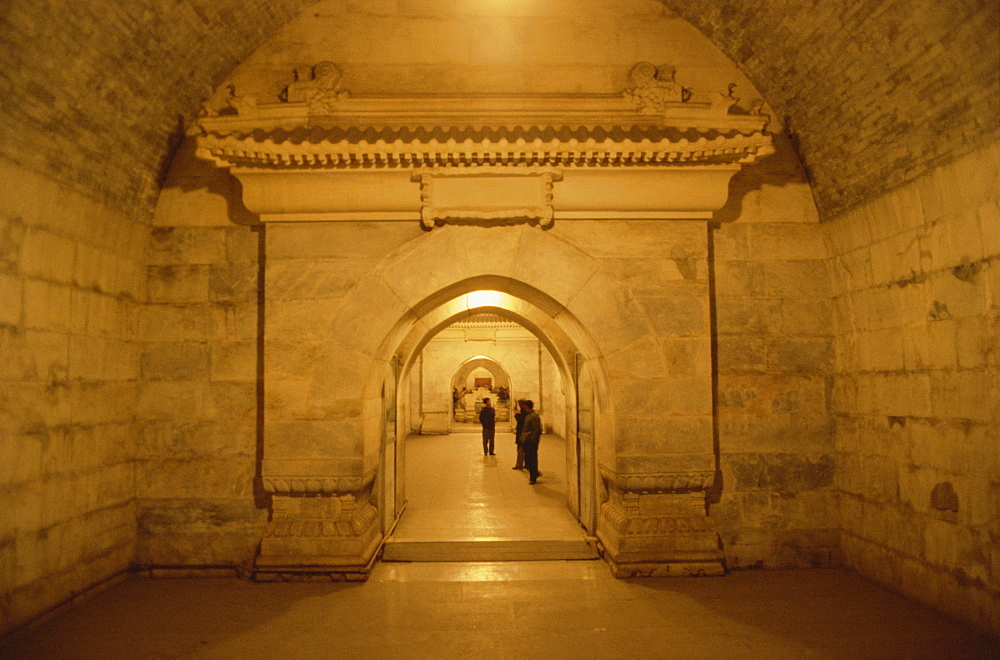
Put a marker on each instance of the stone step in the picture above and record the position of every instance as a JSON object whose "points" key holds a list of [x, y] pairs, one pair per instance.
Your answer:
{"points": [[487, 550]]}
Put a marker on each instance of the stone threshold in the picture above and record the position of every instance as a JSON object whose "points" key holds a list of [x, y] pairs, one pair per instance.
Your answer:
{"points": [[487, 550]]}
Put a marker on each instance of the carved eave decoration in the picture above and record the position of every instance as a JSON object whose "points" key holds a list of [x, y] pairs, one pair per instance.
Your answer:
{"points": [[321, 154]]}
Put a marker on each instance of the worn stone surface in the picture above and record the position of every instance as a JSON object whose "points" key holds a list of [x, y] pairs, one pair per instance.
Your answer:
{"points": [[916, 387], [70, 286]]}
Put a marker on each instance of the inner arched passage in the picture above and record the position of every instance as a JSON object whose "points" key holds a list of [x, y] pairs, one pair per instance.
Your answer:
{"points": [[500, 377], [460, 383], [562, 335]]}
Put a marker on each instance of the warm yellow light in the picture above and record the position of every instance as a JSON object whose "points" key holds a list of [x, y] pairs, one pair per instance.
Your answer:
{"points": [[486, 299]]}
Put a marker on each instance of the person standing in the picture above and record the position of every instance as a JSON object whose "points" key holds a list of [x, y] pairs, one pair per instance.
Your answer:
{"points": [[519, 417], [488, 418], [531, 435]]}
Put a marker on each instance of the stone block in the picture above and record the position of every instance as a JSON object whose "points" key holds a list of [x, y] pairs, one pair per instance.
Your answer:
{"points": [[664, 435], [325, 279], [100, 402], [800, 355], [740, 352], [48, 256], [806, 318], [742, 432], [234, 360], [338, 240], [36, 355], [178, 284], [961, 394], [643, 359], [200, 478], [11, 299], [189, 439], [787, 242], [243, 244], [636, 239], [690, 396], [989, 225], [615, 321], [686, 356], [234, 401], [175, 323], [780, 472], [952, 297], [95, 269], [736, 279], [747, 315], [24, 459], [171, 400], [233, 282], [98, 358], [565, 267], [316, 439], [732, 242], [186, 246], [796, 279], [234, 321], [185, 361], [676, 316], [46, 306], [641, 396]]}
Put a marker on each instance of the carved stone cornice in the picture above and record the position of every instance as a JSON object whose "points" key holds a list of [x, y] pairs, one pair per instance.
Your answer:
{"points": [[665, 482], [322, 154], [299, 485]]}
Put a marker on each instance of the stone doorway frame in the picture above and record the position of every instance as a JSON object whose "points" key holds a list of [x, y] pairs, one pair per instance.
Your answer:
{"points": [[555, 327]]}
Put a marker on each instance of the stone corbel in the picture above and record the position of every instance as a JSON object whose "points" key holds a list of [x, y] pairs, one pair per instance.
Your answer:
{"points": [[486, 194]]}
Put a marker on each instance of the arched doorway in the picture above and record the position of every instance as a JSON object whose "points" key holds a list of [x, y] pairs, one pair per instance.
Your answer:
{"points": [[474, 376], [533, 310]]}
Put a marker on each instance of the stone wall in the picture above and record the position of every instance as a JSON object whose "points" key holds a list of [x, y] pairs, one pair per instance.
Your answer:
{"points": [[918, 349], [777, 502], [197, 462], [70, 284]]}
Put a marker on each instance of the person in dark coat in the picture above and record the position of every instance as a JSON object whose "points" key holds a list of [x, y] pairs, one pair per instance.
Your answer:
{"points": [[488, 418], [519, 417], [531, 434]]}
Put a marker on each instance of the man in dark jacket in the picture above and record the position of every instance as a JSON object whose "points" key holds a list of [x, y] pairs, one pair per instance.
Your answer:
{"points": [[488, 418], [531, 434]]}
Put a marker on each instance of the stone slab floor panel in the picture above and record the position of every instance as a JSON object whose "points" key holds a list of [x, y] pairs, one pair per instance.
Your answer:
{"points": [[555, 609]]}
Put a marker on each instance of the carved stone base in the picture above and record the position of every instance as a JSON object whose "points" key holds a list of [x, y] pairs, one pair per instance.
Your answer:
{"points": [[325, 536], [646, 533]]}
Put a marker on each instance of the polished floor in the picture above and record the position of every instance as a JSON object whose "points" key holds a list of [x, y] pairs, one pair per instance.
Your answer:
{"points": [[464, 505], [499, 609]]}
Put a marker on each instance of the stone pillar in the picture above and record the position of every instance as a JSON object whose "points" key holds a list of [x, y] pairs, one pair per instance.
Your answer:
{"points": [[317, 466], [653, 518]]}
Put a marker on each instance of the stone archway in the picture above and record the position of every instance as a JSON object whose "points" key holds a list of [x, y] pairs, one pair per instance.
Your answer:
{"points": [[459, 381]]}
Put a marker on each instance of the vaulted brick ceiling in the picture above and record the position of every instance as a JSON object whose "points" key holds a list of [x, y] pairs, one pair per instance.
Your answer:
{"points": [[874, 92]]}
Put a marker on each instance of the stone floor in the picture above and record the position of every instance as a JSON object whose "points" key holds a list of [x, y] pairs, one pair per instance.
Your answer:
{"points": [[553, 609], [465, 506], [508, 609]]}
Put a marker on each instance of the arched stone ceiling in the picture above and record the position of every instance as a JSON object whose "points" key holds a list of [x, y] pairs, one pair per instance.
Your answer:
{"points": [[875, 92]]}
